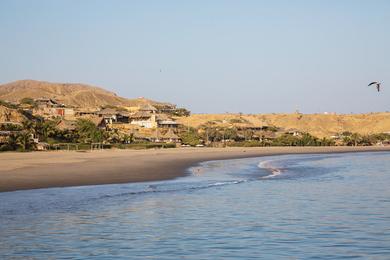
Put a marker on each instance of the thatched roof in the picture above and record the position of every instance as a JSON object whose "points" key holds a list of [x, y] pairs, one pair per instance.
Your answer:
{"points": [[162, 117], [137, 135], [170, 135], [147, 107], [107, 111], [141, 114]]}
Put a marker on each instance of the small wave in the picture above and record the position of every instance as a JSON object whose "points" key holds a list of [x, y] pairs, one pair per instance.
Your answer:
{"points": [[162, 189], [267, 165]]}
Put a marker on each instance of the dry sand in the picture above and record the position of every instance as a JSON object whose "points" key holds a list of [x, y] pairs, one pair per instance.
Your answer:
{"points": [[20, 171]]}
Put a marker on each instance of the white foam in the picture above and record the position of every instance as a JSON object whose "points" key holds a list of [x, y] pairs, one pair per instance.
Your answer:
{"points": [[267, 165]]}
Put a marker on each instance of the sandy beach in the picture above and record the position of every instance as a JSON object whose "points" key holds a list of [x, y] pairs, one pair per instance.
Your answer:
{"points": [[21, 171]]}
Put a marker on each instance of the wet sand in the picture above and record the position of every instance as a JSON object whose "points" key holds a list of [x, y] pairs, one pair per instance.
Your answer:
{"points": [[21, 171]]}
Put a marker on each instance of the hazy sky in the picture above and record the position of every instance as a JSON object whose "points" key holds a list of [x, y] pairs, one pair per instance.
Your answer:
{"points": [[209, 56]]}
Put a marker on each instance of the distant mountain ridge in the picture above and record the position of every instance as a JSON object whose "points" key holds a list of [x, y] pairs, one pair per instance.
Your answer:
{"points": [[70, 94]]}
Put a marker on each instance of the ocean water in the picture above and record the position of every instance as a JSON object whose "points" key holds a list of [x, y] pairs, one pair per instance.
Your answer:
{"points": [[330, 206]]}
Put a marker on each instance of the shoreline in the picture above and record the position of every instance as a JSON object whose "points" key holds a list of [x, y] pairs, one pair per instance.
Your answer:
{"points": [[35, 170]]}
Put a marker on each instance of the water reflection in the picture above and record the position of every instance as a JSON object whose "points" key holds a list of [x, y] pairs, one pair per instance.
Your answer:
{"points": [[321, 206]]}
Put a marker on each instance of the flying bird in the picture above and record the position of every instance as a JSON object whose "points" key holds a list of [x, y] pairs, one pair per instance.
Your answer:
{"points": [[378, 85]]}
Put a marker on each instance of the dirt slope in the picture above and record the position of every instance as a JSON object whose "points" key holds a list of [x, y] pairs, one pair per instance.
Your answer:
{"points": [[320, 125], [77, 95]]}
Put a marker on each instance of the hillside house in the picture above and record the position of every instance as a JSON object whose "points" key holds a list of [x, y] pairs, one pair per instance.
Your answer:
{"points": [[293, 132], [71, 125], [170, 137], [47, 103], [49, 108], [167, 124], [143, 119], [111, 116]]}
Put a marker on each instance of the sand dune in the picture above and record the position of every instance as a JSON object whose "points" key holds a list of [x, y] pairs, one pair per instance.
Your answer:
{"points": [[320, 125]]}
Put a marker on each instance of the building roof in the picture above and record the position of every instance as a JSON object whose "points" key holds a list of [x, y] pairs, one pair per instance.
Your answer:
{"points": [[107, 111], [138, 135], [167, 122], [170, 135], [147, 107], [141, 114], [162, 117]]}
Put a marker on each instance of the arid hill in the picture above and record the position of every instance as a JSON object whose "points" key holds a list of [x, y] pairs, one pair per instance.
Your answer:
{"points": [[76, 95], [320, 125], [10, 115]]}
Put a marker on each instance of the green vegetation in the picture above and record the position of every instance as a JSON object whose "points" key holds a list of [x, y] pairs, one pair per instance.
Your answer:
{"points": [[88, 132], [36, 132], [28, 101], [19, 141], [191, 137], [302, 140], [7, 104], [238, 120], [180, 112]]}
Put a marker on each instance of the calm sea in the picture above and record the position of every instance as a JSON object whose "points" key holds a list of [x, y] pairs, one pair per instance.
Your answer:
{"points": [[283, 207]]}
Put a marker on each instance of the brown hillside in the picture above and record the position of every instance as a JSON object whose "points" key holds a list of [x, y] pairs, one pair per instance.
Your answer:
{"points": [[77, 95], [320, 125], [10, 115]]}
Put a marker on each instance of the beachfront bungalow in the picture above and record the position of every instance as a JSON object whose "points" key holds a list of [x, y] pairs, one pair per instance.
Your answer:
{"points": [[170, 137], [143, 119], [71, 125], [111, 116], [47, 103], [293, 132], [139, 137], [152, 120], [49, 108], [85, 112], [167, 124], [164, 121]]}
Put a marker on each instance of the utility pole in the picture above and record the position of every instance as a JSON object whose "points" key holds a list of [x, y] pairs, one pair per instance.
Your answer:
{"points": [[207, 136]]}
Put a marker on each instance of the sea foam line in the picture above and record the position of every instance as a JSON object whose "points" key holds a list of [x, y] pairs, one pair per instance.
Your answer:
{"points": [[275, 171]]}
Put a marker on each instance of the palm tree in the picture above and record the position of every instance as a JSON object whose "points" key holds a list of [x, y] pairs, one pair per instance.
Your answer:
{"points": [[44, 129], [12, 142], [25, 140], [356, 139], [88, 132], [28, 125]]}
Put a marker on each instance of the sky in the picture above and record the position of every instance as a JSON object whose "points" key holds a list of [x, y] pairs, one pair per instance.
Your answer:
{"points": [[208, 56]]}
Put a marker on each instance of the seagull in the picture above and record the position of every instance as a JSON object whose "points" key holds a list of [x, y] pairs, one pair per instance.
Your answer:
{"points": [[378, 85]]}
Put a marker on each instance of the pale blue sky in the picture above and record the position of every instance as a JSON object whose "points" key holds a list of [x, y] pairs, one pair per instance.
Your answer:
{"points": [[214, 56]]}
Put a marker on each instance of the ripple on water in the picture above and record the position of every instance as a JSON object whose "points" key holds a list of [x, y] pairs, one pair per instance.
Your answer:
{"points": [[316, 206]]}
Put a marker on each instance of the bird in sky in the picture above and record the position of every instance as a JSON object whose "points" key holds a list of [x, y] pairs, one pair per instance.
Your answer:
{"points": [[378, 85]]}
